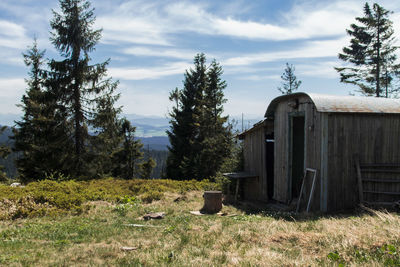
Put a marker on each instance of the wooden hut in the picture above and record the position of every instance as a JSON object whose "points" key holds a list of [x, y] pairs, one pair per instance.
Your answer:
{"points": [[352, 142]]}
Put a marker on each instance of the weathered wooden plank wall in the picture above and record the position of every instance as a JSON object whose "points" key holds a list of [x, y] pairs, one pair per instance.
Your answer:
{"points": [[375, 138], [313, 151], [255, 162]]}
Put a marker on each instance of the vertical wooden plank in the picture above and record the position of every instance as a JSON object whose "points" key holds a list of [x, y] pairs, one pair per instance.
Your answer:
{"points": [[280, 164], [360, 187], [264, 165], [324, 162], [316, 151]]}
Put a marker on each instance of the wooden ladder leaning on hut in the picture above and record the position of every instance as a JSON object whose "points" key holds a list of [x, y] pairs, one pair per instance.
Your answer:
{"points": [[378, 183]]}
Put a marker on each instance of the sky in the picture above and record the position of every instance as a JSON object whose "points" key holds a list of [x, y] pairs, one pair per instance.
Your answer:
{"points": [[152, 43]]}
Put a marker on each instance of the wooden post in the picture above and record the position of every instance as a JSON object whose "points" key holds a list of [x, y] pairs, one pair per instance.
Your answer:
{"points": [[236, 190], [359, 180], [212, 202]]}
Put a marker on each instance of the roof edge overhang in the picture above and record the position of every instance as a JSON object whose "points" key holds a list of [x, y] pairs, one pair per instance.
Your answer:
{"points": [[256, 126]]}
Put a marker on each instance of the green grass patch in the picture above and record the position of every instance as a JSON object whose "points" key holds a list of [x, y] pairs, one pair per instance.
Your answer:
{"points": [[96, 237]]}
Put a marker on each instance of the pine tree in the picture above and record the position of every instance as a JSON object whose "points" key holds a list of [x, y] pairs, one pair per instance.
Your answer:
{"points": [[127, 158], [77, 83], [65, 101], [107, 137], [290, 82], [40, 133], [216, 134], [199, 136], [147, 168], [371, 53], [185, 123]]}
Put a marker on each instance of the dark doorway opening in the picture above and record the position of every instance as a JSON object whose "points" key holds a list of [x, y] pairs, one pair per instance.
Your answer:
{"points": [[270, 143], [297, 155]]}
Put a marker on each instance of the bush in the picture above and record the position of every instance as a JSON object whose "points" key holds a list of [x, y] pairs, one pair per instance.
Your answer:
{"points": [[149, 196], [54, 197], [23, 208]]}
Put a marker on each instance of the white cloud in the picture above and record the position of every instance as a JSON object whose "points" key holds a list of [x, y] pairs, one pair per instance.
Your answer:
{"points": [[11, 86], [11, 91], [301, 22], [11, 29], [318, 69], [311, 49], [156, 22], [256, 77], [141, 101], [161, 52], [12, 35], [243, 102], [132, 22], [130, 30], [148, 73]]}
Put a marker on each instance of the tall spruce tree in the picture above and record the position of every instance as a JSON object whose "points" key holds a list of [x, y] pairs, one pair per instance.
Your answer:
{"points": [[215, 132], [107, 134], [78, 84], [66, 100], [40, 133], [290, 82], [147, 168], [371, 53], [185, 123], [128, 157], [199, 137]]}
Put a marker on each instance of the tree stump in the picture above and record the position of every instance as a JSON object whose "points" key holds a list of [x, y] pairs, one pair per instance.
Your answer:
{"points": [[212, 202]]}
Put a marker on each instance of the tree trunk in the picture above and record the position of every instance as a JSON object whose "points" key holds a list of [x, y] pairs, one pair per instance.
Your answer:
{"points": [[212, 202]]}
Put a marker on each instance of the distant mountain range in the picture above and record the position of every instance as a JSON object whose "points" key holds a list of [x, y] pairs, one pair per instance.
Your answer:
{"points": [[151, 143], [151, 130], [4, 138], [146, 126]]}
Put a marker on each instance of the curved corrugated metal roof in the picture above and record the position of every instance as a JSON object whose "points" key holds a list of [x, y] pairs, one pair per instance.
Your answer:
{"points": [[344, 104]]}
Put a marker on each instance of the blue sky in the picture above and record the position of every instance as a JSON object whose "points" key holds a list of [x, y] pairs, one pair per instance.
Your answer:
{"points": [[151, 43]]}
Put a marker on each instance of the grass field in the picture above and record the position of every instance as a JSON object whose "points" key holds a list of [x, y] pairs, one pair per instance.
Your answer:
{"points": [[95, 237]]}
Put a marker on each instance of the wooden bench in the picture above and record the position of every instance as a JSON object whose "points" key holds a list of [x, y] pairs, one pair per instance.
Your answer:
{"points": [[238, 176]]}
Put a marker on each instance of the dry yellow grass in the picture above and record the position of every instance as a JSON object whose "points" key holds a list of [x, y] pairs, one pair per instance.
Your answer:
{"points": [[181, 239]]}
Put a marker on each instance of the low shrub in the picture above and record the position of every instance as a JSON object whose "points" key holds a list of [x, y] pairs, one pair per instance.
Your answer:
{"points": [[23, 208], [149, 196], [54, 197]]}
